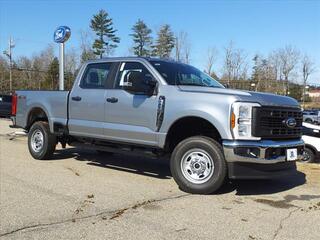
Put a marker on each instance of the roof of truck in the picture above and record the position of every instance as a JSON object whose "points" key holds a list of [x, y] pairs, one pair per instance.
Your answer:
{"points": [[131, 58]]}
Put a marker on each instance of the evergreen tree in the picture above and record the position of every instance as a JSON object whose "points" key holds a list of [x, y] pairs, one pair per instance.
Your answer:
{"points": [[53, 74], [165, 42], [142, 39], [102, 25]]}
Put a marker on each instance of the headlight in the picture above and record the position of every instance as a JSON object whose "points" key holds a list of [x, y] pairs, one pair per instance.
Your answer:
{"points": [[241, 120]]}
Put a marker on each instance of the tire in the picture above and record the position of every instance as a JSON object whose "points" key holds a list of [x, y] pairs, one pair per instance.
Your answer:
{"points": [[198, 178], [41, 142], [105, 153], [308, 156], [308, 120]]}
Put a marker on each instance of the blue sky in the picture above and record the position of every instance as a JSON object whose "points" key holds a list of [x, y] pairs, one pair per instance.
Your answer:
{"points": [[255, 26]]}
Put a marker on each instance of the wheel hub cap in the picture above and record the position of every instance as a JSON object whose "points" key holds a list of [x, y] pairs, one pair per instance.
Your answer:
{"points": [[197, 166], [37, 141]]}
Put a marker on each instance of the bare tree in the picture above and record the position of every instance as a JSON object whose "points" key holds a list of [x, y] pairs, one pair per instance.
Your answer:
{"points": [[182, 47], [307, 69], [235, 63], [289, 58], [85, 47], [212, 54]]}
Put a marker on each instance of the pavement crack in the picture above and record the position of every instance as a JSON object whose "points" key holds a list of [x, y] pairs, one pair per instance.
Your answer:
{"points": [[280, 227], [102, 213]]}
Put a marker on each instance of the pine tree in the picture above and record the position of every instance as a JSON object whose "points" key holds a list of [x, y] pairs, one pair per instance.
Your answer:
{"points": [[53, 74], [141, 38], [165, 42], [102, 25]]}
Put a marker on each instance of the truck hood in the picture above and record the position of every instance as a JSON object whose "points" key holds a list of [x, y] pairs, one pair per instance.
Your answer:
{"points": [[264, 99]]}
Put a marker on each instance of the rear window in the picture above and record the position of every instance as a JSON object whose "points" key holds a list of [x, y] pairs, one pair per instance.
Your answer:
{"points": [[96, 76], [5, 98]]}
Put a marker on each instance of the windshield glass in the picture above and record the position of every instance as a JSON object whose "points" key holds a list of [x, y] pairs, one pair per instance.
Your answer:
{"points": [[183, 74]]}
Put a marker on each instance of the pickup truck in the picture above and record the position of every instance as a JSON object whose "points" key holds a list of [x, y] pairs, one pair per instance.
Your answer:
{"points": [[311, 117], [5, 106], [311, 138], [163, 108]]}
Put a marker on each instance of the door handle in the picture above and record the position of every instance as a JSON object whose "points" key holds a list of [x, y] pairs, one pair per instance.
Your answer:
{"points": [[77, 98], [112, 100]]}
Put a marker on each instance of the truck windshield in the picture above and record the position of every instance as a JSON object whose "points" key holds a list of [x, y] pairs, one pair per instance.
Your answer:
{"points": [[183, 74]]}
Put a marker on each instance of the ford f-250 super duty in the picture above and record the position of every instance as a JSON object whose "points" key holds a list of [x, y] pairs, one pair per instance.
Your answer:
{"points": [[165, 108]]}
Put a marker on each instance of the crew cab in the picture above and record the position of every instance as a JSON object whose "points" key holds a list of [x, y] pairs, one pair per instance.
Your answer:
{"points": [[163, 108]]}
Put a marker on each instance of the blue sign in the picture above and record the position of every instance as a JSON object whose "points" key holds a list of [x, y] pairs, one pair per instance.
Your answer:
{"points": [[61, 34]]}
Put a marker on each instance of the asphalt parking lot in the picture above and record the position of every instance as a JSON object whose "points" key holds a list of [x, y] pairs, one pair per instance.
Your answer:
{"points": [[85, 195]]}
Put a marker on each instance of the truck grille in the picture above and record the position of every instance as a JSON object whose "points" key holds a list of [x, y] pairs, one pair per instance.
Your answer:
{"points": [[270, 122]]}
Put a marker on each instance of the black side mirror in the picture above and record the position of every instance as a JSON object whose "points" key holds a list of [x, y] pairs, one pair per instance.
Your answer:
{"points": [[226, 85], [139, 83]]}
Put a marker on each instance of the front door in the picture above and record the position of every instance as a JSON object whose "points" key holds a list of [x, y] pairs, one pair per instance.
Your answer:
{"points": [[130, 117]]}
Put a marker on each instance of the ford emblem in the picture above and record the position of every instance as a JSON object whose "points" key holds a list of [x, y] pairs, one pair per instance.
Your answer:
{"points": [[61, 34], [290, 122]]}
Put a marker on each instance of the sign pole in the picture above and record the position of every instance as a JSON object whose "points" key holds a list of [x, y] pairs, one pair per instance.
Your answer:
{"points": [[61, 66], [61, 35]]}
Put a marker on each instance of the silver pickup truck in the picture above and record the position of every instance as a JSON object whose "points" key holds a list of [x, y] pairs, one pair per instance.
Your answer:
{"points": [[163, 108]]}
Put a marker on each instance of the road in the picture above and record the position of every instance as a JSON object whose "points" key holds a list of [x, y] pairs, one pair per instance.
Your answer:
{"points": [[85, 195]]}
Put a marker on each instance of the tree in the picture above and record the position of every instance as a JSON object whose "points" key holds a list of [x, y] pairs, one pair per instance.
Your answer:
{"points": [[142, 39], [289, 58], [86, 49], [212, 54], [235, 63], [102, 25], [307, 69], [165, 42], [182, 47], [53, 73]]}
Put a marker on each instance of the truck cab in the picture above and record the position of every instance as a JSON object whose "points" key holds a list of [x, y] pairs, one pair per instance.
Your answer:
{"points": [[167, 109]]}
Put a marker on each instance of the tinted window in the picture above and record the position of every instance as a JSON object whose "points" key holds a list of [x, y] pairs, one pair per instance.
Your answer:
{"points": [[125, 67], [96, 75], [183, 74]]}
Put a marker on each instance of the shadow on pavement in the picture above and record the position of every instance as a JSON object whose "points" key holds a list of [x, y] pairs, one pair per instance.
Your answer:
{"points": [[258, 187], [159, 168]]}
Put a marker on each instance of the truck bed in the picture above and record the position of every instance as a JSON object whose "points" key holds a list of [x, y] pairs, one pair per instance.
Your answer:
{"points": [[55, 104]]}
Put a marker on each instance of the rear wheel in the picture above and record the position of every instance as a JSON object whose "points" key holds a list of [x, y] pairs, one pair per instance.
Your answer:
{"points": [[41, 141], [308, 156], [198, 165]]}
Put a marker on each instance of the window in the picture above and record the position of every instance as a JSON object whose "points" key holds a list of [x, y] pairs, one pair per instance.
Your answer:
{"points": [[96, 75], [183, 74], [125, 67]]}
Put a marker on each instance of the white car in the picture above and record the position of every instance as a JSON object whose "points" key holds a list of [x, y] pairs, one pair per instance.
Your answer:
{"points": [[311, 138]]}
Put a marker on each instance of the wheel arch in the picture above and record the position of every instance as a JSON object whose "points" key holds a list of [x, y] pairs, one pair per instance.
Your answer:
{"points": [[36, 113], [189, 126]]}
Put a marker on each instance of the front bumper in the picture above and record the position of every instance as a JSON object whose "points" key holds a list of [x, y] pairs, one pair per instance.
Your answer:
{"points": [[260, 159]]}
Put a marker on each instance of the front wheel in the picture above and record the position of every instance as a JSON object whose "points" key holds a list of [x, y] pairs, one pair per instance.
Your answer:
{"points": [[198, 165], [308, 156], [41, 141]]}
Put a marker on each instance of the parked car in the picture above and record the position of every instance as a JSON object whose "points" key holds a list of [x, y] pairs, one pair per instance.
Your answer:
{"points": [[311, 138], [312, 116], [5, 106], [167, 109]]}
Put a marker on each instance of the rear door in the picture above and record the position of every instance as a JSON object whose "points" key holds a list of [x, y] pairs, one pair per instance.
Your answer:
{"points": [[87, 101], [129, 117]]}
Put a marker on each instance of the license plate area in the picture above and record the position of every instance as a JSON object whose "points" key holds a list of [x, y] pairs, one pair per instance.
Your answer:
{"points": [[292, 154]]}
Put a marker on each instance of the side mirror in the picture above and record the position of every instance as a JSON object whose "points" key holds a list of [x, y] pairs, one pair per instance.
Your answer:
{"points": [[139, 83], [226, 85]]}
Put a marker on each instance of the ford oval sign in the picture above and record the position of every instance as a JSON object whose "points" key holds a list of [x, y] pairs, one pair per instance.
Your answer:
{"points": [[290, 122], [61, 34]]}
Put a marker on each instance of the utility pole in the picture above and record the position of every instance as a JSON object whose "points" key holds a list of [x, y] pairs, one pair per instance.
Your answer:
{"points": [[8, 53]]}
